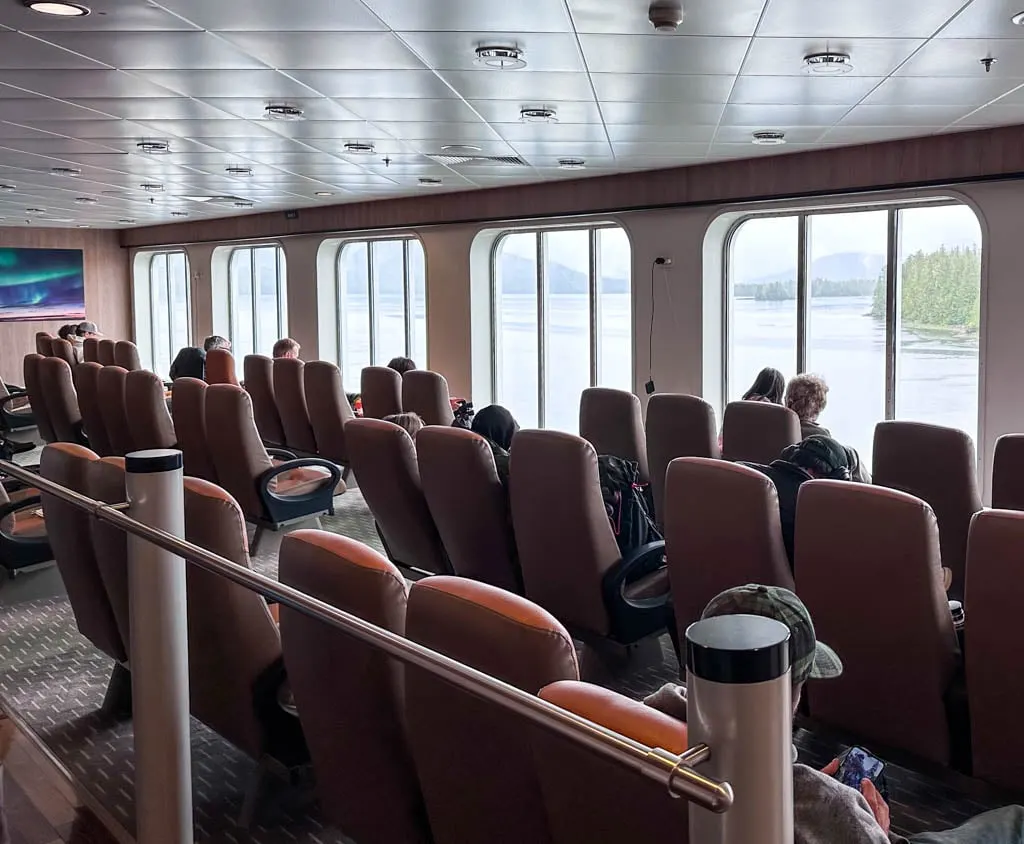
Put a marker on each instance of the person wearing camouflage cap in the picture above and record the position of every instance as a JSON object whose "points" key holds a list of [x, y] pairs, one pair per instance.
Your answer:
{"points": [[825, 811]]}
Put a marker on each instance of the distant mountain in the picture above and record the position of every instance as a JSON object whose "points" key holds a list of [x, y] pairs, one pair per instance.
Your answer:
{"points": [[840, 266], [518, 275]]}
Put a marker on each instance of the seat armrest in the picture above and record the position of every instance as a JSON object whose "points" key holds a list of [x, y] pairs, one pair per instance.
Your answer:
{"points": [[283, 508], [631, 619], [281, 453], [33, 503]]}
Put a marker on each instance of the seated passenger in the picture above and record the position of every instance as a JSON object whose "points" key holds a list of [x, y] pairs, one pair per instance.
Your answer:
{"points": [[286, 347], [70, 333], [815, 457], [87, 329], [411, 422], [402, 365], [807, 397], [498, 426], [215, 341], [769, 386], [825, 811], [190, 362]]}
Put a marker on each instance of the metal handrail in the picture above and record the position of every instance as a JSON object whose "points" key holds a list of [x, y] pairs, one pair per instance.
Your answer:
{"points": [[674, 771]]}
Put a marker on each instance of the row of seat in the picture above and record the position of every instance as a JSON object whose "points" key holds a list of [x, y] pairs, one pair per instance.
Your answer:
{"points": [[105, 352], [398, 755]]}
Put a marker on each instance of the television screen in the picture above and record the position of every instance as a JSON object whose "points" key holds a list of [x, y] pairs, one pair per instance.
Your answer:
{"points": [[41, 284]]}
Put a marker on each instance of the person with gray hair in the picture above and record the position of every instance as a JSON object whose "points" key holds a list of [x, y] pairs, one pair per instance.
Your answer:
{"points": [[215, 341]]}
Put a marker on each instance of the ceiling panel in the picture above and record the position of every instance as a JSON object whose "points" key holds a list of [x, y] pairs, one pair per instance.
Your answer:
{"points": [[919, 90], [985, 19], [28, 110], [70, 84], [327, 50], [107, 15], [995, 115], [962, 57], [660, 114], [784, 56], [662, 149], [23, 52], [731, 135], [374, 83], [517, 85], [860, 19], [544, 132], [316, 110], [277, 16], [685, 132], [872, 134], [472, 15], [155, 108], [702, 17], [157, 50], [768, 116], [631, 88], [228, 83], [396, 109], [552, 52], [804, 89], [505, 111], [677, 54], [455, 133], [904, 115]]}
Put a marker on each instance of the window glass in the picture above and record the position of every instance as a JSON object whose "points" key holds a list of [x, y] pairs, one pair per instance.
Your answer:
{"points": [[268, 319], [257, 291], [516, 343], [389, 338], [243, 327], [763, 306], [939, 278], [354, 306], [169, 309], [418, 300], [177, 276], [614, 310], [161, 313], [566, 326], [846, 323]]}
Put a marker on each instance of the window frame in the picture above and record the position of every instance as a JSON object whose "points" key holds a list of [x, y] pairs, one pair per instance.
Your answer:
{"points": [[892, 267], [165, 255], [408, 294], [280, 285], [594, 270]]}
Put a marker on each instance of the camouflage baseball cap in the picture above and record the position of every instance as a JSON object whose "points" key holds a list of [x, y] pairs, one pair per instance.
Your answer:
{"points": [[809, 657]]}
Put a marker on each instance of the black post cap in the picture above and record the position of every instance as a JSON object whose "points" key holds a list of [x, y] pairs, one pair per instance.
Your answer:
{"points": [[737, 649], [153, 460]]}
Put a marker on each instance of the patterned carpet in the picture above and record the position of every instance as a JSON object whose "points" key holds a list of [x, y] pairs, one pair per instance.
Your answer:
{"points": [[55, 681]]}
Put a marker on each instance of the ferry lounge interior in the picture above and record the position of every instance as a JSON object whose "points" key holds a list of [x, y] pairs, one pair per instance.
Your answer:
{"points": [[299, 592]]}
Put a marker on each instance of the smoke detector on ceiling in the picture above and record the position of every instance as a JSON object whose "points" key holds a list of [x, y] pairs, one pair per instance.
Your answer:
{"points": [[769, 138], [500, 58], [665, 15]]}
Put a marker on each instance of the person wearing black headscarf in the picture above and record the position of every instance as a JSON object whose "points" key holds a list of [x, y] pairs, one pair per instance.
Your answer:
{"points": [[190, 362], [496, 425]]}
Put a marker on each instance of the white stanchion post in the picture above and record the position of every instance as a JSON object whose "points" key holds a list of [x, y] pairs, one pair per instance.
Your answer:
{"points": [[159, 652], [739, 703]]}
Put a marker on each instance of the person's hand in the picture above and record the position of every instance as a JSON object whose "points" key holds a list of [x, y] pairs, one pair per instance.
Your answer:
{"points": [[879, 808], [831, 769]]}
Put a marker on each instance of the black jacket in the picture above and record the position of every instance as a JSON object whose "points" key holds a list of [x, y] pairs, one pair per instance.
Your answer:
{"points": [[787, 478]]}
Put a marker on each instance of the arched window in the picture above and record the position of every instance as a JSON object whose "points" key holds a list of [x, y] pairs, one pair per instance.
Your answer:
{"points": [[257, 300]]}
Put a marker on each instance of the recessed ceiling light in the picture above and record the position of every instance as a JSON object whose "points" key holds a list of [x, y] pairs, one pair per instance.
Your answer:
{"points": [[66, 10], [8, 188], [65, 171], [85, 200], [323, 193], [537, 114], [769, 138], [236, 170], [359, 148], [500, 58], [571, 164], [179, 213], [152, 187], [153, 147], [35, 212], [828, 63], [283, 111], [242, 203], [430, 182], [84, 226], [126, 222], [1018, 19], [456, 149]]}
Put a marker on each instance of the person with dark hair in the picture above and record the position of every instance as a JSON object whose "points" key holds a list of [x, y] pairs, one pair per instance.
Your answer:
{"points": [[816, 457], [190, 362], [498, 426], [768, 386], [67, 332], [412, 423], [215, 341], [402, 365]]}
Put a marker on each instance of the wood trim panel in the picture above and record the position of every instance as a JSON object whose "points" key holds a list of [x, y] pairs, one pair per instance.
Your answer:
{"points": [[935, 159], [107, 289]]}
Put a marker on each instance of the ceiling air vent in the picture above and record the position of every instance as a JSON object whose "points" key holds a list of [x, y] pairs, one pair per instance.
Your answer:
{"points": [[501, 160]]}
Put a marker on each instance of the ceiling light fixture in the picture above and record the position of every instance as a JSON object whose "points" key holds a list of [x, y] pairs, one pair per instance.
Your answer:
{"points": [[500, 58], [242, 203], [769, 138], [237, 170], [8, 188], [537, 114], [179, 213], [1018, 19], [430, 182], [828, 63], [57, 7], [85, 200], [571, 164], [283, 111], [35, 212], [65, 171], [84, 226], [323, 193], [457, 149], [152, 187], [153, 147], [126, 222], [359, 148]]}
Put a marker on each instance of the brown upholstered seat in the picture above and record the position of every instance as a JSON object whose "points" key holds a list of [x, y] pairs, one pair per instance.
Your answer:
{"points": [[126, 355], [1008, 473], [469, 505], [936, 464], [290, 395], [43, 343], [757, 432], [677, 426], [91, 350], [105, 482], [110, 387], [868, 568], [233, 640], [36, 398], [87, 386], [61, 402], [995, 683], [259, 384], [570, 560], [384, 460], [426, 393], [71, 540], [63, 350], [220, 367], [350, 695], [188, 407], [381, 391], [329, 410], [612, 422], [590, 799], [146, 404], [107, 352], [474, 759], [722, 530]]}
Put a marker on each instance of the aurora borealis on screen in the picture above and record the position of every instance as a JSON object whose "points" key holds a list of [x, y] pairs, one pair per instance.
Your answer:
{"points": [[38, 284]]}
